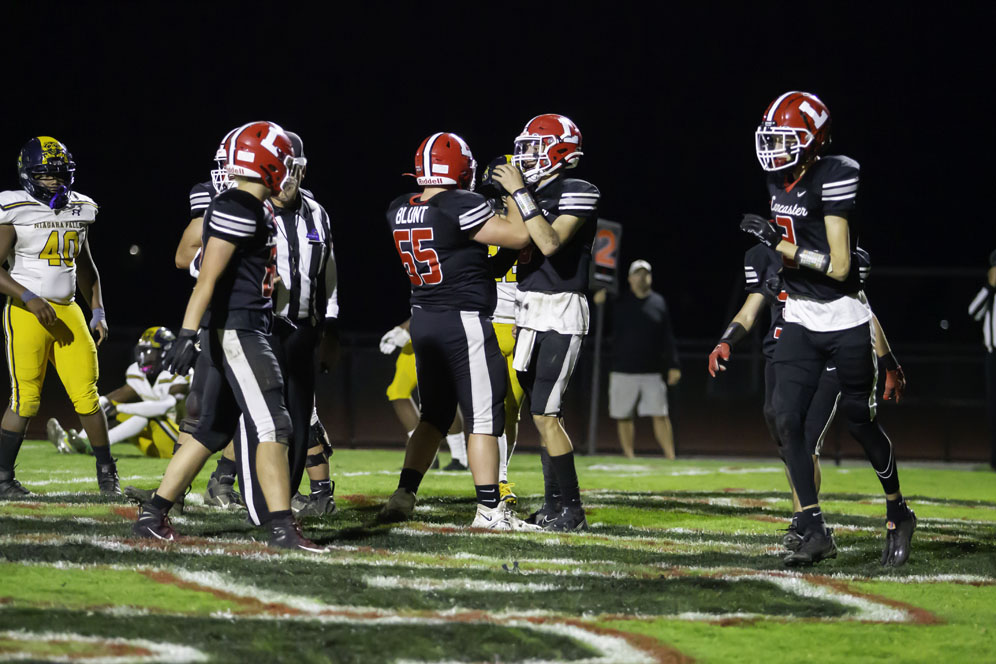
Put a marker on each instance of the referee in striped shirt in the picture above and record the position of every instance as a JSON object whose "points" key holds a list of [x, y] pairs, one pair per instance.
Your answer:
{"points": [[305, 308], [981, 309]]}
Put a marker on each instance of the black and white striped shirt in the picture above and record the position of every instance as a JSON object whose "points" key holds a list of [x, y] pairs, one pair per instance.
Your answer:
{"points": [[981, 309], [308, 286]]}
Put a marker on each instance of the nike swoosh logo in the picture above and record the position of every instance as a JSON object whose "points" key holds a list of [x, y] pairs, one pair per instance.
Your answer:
{"points": [[800, 194], [833, 369]]}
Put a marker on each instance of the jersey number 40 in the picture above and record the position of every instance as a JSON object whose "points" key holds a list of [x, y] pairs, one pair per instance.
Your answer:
{"points": [[416, 257], [57, 255]]}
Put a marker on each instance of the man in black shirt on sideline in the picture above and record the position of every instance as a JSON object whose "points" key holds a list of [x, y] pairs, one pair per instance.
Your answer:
{"points": [[643, 347]]}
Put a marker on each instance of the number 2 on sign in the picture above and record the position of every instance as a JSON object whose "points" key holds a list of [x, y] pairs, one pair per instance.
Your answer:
{"points": [[415, 254]]}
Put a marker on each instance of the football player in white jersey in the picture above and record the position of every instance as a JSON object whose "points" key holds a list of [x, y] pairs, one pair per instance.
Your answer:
{"points": [[143, 411], [43, 237]]}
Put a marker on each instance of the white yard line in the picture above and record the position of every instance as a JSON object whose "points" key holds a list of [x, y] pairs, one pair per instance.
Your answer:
{"points": [[159, 652]]}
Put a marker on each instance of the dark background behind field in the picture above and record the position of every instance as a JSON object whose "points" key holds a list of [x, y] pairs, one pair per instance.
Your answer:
{"points": [[667, 98]]}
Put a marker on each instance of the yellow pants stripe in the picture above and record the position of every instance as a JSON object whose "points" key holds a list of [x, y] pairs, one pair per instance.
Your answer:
{"points": [[9, 333]]}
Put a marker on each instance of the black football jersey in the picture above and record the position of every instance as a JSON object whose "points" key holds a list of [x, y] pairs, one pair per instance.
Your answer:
{"points": [[567, 270], [242, 295], [201, 195], [447, 268], [829, 187], [763, 274]]}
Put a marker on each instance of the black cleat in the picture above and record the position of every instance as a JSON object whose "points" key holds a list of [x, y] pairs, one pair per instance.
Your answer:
{"points": [[455, 465], [319, 503], [792, 539], [153, 524], [815, 546], [10, 488], [570, 519], [142, 496], [287, 534], [221, 493], [107, 479], [544, 515], [897, 541]]}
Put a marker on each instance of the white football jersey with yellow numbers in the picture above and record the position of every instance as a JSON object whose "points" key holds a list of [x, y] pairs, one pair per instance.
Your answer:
{"points": [[43, 259], [156, 390]]}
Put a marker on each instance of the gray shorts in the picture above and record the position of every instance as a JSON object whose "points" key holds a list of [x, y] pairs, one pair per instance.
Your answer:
{"points": [[640, 394]]}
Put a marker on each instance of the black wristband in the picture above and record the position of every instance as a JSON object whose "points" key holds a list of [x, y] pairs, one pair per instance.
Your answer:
{"points": [[526, 204], [889, 361], [734, 333]]}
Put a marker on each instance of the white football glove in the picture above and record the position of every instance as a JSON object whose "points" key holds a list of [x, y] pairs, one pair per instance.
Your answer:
{"points": [[395, 338]]}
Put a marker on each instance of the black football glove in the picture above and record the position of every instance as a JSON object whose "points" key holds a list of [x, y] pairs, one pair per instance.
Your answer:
{"points": [[182, 354], [489, 187], [766, 232]]}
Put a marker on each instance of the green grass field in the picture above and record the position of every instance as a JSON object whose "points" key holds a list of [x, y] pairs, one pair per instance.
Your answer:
{"points": [[682, 563]]}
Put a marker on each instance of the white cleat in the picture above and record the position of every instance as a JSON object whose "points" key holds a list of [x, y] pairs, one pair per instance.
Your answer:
{"points": [[57, 436], [500, 518]]}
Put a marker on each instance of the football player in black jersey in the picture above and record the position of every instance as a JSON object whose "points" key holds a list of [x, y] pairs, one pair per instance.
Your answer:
{"points": [[551, 304], [442, 236], [231, 305], [827, 317], [763, 283]]}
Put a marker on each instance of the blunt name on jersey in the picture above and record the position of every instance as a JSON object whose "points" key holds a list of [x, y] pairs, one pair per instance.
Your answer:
{"points": [[413, 215]]}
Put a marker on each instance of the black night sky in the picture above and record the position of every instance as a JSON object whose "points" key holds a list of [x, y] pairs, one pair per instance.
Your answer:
{"points": [[667, 100]]}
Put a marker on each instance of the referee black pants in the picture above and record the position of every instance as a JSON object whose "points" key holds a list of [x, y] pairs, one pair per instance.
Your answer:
{"points": [[800, 359], [294, 348]]}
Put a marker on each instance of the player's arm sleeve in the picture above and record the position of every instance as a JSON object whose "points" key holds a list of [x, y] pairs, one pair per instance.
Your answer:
{"points": [[840, 189], [231, 222], [156, 408], [755, 270], [471, 211], [200, 198], [579, 199], [331, 275]]}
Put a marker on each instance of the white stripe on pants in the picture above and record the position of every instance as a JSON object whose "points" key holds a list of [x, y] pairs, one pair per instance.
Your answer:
{"points": [[480, 378]]}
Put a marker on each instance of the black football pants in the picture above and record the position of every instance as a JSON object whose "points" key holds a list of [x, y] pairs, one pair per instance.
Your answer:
{"points": [[821, 410], [800, 359], [294, 348]]}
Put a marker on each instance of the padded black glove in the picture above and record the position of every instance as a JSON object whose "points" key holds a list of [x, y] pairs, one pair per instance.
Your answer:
{"points": [[766, 232], [182, 354]]}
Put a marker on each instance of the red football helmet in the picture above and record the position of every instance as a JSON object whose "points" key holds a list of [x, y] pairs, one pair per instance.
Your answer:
{"points": [[444, 159], [795, 128], [547, 143], [260, 150]]}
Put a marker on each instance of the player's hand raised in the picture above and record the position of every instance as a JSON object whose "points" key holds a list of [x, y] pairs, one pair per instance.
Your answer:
{"points": [[766, 233], [182, 354], [42, 310], [509, 177], [718, 357]]}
